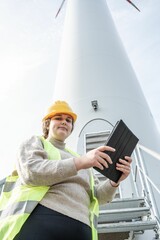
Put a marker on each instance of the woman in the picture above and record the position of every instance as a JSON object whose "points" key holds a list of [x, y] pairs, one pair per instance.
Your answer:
{"points": [[64, 210]]}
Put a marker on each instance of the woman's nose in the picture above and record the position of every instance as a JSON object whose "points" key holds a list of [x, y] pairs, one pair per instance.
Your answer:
{"points": [[63, 122]]}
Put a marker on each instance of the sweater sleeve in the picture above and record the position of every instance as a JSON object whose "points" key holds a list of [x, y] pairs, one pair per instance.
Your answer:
{"points": [[105, 192], [34, 167]]}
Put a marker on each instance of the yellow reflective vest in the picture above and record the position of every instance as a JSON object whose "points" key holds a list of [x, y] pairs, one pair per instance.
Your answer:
{"points": [[18, 201]]}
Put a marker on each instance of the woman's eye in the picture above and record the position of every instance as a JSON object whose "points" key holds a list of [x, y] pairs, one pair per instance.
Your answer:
{"points": [[69, 120], [57, 118]]}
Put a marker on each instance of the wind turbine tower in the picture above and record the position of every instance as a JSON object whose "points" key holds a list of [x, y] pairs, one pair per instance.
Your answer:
{"points": [[96, 77], [94, 66]]}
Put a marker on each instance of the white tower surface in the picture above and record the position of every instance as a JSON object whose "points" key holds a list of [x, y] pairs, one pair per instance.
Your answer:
{"points": [[94, 66]]}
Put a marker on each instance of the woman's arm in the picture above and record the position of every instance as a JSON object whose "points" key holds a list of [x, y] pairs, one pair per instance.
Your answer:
{"points": [[34, 168]]}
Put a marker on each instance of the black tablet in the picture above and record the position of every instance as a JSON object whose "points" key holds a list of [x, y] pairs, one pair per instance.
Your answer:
{"points": [[124, 141]]}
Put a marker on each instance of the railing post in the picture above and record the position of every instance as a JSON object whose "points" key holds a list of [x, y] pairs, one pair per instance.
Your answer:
{"points": [[146, 182]]}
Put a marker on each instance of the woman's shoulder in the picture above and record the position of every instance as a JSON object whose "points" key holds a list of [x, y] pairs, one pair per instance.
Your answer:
{"points": [[33, 140]]}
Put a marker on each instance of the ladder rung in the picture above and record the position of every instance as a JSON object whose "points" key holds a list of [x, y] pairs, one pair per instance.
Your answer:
{"points": [[126, 226], [126, 214], [123, 203]]}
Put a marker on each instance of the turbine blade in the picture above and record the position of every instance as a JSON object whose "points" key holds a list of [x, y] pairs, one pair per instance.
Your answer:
{"points": [[133, 5], [60, 8]]}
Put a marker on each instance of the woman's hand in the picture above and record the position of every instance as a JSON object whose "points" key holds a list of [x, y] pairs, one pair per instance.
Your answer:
{"points": [[125, 168], [95, 158]]}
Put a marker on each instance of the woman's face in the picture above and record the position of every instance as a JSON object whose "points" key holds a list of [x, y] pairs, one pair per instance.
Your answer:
{"points": [[60, 127]]}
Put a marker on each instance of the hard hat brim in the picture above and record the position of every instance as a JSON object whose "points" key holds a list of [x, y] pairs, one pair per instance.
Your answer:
{"points": [[50, 115]]}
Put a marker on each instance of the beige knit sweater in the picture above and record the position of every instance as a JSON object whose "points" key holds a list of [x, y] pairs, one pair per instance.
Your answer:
{"points": [[69, 191]]}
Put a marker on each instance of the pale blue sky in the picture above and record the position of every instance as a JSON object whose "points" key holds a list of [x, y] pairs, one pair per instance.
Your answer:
{"points": [[29, 45]]}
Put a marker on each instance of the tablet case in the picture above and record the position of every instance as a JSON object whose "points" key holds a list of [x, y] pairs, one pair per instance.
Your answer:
{"points": [[124, 141]]}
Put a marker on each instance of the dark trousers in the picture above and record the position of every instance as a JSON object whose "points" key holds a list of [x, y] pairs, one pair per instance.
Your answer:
{"points": [[46, 224]]}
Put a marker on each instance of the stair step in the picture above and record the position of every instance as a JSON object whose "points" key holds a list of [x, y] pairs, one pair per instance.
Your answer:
{"points": [[126, 226], [124, 203], [115, 215]]}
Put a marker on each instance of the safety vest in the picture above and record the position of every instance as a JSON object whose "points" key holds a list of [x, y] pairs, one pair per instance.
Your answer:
{"points": [[18, 201]]}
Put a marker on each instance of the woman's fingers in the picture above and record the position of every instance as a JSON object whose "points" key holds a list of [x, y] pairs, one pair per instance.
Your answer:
{"points": [[106, 157], [123, 168], [106, 148], [100, 165], [97, 158], [126, 162], [123, 165], [102, 158], [129, 159], [102, 162]]}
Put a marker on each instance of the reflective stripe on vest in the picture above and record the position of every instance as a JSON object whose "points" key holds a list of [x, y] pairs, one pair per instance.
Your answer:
{"points": [[94, 210], [18, 201], [16, 204]]}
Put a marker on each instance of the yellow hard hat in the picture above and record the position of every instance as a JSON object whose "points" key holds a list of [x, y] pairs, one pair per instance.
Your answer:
{"points": [[59, 107]]}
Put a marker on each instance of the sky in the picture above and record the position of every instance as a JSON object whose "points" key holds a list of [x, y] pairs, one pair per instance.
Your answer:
{"points": [[30, 38]]}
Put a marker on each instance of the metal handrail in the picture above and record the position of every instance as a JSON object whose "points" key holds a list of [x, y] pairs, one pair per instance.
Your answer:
{"points": [[145, 180], [151, 182], [143, 167], [149, 151], [155, 155]]}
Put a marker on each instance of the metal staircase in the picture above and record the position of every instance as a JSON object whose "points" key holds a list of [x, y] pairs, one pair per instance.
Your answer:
{"points": [[135, 217], [126, 218], [129, 218], [123, 218]]}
